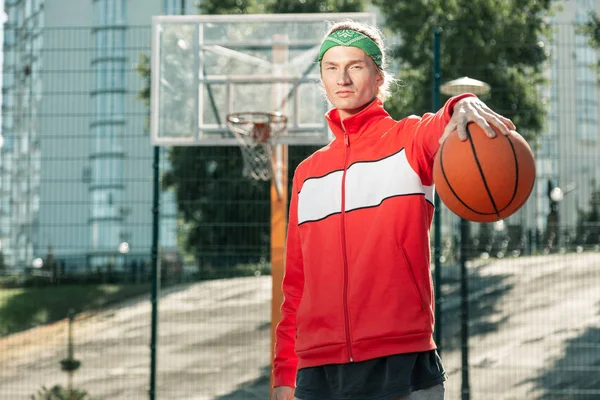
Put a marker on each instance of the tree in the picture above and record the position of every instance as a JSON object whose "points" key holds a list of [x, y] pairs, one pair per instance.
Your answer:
{"points": [[279, 6], [499, 42], [592, 29], [231, 7], [224, 217], [2, 263], [57, 392], [315, 6]]}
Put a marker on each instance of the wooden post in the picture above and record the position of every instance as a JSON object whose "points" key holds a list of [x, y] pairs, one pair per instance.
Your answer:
{"points": [[279, 192], [279, 212]]}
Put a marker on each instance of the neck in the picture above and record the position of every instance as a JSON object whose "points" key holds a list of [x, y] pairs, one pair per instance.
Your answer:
{"points": [[348, 113]]}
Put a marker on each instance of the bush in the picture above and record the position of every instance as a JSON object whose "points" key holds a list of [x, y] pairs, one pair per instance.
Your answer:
{"points": [[235, 271], [58, 392], [11, 281]]}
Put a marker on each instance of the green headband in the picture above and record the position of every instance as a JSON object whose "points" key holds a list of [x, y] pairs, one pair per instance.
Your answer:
{"points": [[352, 38]]}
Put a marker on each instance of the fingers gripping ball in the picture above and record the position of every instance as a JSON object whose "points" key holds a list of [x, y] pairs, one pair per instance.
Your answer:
{"points": [[483, 179]]}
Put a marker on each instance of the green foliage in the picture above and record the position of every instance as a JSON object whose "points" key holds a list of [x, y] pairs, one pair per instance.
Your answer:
{"points": [[231, 7], [279, 6], [69, 364], [210, 191], [592, 29], [2, 263], [58, 392], [312, 6], [143, 69], [588, 222], [11, 281], [496, 41], [239, 270], [209, 184], [22, 309]]}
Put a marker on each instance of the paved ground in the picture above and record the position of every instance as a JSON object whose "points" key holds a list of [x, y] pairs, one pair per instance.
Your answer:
{"points": [[535, 334], [536, 330]]}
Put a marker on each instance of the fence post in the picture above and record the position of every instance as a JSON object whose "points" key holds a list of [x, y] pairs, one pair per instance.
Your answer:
{"points": [[437, 223], [464, 308], [155, 268]]}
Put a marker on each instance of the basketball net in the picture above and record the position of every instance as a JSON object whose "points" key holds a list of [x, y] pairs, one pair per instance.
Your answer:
{"points": [[257, 134]]}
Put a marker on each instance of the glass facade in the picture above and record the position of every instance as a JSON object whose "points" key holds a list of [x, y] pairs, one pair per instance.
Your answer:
{"points": [[107, 129], [587, 88], [567, 152], [20, 167], [177, 7]]}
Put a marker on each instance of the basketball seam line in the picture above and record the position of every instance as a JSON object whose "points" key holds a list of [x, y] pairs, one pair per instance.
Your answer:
{"points": [[516, 170], [485, 185], [441, 150], [458, 197]]}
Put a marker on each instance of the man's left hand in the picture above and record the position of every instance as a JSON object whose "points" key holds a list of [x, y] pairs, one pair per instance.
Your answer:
{"points": [[471, 109]]}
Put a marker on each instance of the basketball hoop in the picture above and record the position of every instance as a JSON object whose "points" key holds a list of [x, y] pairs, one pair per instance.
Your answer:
{"points": [[257, 134]]}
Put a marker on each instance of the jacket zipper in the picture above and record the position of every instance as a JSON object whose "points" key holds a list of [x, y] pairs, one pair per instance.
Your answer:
{"points": [[344, 254]]}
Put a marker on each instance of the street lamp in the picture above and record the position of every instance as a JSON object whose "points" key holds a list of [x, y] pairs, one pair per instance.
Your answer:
{"points": [[454, 88], [37, 263], [124, 249], [465, 85], [556, 194]]}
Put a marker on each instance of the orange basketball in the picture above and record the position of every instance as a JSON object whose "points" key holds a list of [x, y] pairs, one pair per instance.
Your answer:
{"points": [[483, 179]]}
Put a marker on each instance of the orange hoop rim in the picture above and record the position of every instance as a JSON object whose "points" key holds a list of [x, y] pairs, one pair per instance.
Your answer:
{"points": [[238, 120]]}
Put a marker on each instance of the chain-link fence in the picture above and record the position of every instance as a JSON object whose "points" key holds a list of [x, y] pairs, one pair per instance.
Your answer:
{"points": [[76, 222]]}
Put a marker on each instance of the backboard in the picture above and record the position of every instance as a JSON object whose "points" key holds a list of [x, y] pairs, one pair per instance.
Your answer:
{"points": [[205, 67]]}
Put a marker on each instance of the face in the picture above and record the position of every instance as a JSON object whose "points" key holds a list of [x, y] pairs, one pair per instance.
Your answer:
{"points": [[351, 79]]}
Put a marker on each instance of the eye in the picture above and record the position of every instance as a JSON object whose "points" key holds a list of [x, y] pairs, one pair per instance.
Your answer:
{"points": [[357, 67]]}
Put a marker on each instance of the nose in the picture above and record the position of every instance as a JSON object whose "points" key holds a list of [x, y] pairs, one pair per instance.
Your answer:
{"points": [[343, 78]]}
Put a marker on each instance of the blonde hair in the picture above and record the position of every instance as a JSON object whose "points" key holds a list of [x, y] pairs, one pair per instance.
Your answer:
{"points": [[375, 35]]}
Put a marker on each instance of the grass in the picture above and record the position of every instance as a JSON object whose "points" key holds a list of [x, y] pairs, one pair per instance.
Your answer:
{"points": [[25, 308]]}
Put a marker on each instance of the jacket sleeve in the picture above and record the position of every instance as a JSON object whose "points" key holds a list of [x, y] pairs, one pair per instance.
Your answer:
{"points": [[286, 360], [425, 133]]}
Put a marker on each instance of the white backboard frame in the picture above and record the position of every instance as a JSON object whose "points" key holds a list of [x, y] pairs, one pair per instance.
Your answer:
{"points": [[219, 135]]}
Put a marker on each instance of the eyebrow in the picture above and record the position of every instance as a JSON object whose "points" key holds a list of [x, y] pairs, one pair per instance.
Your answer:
{"points": [[349, 62]]}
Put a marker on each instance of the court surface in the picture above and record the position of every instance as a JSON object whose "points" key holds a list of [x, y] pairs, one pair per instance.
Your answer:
{"points": [[214, 339]]}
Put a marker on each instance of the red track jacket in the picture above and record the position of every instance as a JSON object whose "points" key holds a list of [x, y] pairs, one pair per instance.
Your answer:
{"points": [[357, 281]]}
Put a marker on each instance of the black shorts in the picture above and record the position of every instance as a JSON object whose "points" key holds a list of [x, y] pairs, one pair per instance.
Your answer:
{"points": [[384, 378]]}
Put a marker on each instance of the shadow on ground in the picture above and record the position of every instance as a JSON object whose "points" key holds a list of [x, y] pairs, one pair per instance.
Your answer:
{"points": [[574, 376], [256, 389], [485, 294]]}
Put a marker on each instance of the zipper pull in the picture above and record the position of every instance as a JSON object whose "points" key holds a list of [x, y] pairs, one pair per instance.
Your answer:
{"points": [[346, 139]]}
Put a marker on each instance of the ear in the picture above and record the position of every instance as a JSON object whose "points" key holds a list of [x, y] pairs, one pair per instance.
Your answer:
{"points": [[380, 78]]}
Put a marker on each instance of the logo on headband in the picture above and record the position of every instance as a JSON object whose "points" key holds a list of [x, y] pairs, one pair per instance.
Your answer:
{"points": [[348, 37]]}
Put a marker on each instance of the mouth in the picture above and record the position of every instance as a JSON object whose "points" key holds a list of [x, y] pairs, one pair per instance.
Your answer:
{"points": [[344, 93]]}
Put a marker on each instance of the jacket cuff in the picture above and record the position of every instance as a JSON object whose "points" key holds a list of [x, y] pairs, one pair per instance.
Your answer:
{"points": [[284, 376], [449, 107]]}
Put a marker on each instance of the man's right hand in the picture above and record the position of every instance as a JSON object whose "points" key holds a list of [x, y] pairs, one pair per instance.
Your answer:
{"points": [[283, 393]]}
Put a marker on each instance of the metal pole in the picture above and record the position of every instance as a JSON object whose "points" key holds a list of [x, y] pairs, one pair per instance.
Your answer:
{"points": [[155, 268], [464, 309], [437, 227]]}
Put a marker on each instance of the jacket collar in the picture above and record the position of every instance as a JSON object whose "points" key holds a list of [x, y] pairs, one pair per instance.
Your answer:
{"points": [[357, 123]]}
